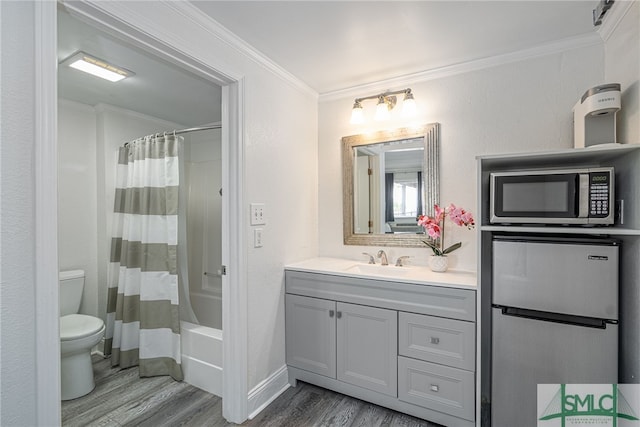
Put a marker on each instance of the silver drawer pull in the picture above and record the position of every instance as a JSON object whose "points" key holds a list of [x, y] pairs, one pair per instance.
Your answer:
{"points": [[434, 387], [435, 340], [339, 314], [330, 313]]}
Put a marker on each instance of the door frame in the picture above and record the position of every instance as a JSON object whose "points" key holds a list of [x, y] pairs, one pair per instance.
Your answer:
{"points": [[127, 23]]}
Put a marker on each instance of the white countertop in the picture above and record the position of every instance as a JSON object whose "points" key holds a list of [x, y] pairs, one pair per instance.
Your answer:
{"points": [[418, 275]]}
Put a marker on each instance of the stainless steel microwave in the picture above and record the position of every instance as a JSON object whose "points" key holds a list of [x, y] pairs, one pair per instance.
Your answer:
{"points": [[582, 196]]}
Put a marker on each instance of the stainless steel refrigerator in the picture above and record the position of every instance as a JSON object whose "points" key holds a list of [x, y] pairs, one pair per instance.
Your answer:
{"points": [[554, 319]]}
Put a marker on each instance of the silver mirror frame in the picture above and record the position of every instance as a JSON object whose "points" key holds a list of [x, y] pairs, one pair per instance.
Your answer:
{"points": [[431, 176]]}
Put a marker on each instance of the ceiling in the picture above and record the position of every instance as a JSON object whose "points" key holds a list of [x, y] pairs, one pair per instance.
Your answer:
{"points": [[329, 45], [333, 45]]}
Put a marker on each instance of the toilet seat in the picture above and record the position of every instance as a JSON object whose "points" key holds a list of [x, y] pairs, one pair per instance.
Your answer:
{"points": [[76, 326]]}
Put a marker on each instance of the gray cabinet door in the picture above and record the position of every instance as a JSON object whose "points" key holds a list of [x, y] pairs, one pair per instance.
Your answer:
{"points": [[367, 347], [311, 334]]}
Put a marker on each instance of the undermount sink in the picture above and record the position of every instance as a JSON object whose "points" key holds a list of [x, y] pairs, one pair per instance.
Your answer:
{"points": [[377, 270]]}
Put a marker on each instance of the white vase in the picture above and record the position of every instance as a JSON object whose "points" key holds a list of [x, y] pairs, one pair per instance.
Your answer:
{"points": [[438, 263]]}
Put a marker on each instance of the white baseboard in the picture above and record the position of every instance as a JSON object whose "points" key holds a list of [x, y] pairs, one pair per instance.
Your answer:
{"points": [[267, 391]]}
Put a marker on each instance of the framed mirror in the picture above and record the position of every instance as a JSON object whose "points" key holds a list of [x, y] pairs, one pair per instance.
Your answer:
{"points": [[389, 178]]}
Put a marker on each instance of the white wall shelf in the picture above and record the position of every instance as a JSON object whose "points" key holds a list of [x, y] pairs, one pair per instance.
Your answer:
{"points": [[597, 154]]}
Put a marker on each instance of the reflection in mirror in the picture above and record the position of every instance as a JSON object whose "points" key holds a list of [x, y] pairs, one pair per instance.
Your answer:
{"points": [[390, 178]]}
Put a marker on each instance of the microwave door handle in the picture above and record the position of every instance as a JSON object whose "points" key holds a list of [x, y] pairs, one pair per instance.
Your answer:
{"points": [[583, 197]]}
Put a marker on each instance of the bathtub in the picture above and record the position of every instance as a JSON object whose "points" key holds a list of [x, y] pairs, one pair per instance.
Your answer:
{"points": [[202, 357]]}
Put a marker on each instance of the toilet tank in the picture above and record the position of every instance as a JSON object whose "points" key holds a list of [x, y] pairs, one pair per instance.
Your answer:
{"points": [[71, 286]]}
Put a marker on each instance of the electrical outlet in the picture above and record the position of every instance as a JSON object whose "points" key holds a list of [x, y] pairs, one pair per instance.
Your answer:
{"points": [[258, 216], [257, 238]]}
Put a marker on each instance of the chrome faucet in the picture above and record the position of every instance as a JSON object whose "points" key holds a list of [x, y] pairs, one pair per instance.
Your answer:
{"points": [[372, 260], [400, 260], [383, 257]]}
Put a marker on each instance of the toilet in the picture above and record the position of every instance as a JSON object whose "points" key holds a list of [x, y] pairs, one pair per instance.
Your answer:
{"points": [[79, 333]]}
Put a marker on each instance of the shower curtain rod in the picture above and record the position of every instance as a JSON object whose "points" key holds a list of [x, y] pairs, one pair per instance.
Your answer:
{"points": [[178, 132]]}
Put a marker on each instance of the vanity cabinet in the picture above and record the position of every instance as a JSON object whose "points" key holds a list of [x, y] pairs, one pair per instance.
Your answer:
{"points": [[352, 343], [404, 346]]}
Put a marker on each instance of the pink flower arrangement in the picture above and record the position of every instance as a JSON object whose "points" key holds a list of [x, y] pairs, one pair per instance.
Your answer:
{"points": [[434, 226]]}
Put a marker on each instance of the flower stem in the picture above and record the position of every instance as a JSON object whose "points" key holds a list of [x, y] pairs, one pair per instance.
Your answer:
{"points": [[444, 220]]}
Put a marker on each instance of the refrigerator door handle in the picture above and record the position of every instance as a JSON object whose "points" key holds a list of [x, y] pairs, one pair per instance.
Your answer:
{"points": [[544, 316]]}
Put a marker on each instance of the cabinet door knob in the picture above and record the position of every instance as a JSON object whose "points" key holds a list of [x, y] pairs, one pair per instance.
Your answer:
{"points": [[435, 340], [339, 314], [330, 313], [434, 387]]}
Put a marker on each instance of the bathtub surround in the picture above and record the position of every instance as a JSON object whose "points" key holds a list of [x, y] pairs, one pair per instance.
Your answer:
{"points": [[202, 226], [142, 307]]}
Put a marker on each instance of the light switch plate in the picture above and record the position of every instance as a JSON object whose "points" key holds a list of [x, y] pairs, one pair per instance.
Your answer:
{"points": [[257, 238], [258, 216]]}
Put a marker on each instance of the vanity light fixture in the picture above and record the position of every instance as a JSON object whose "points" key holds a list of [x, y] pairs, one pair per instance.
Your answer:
{"points": [[357, 114], [386, 102], [97, 67]]}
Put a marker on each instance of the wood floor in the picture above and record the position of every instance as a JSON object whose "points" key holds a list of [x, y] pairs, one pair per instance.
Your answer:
{"points": [[122, 399]]}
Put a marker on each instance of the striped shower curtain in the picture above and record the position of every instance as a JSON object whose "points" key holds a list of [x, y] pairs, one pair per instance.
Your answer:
{"points": [[143, 325]]}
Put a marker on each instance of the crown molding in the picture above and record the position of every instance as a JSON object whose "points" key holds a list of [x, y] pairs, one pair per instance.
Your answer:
{"points": [[216, 29], [613, 18], [559, 46]]}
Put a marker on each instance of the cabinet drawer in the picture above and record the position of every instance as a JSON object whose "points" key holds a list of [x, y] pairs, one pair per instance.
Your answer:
{"points": [[435, 339], [436, 387]]}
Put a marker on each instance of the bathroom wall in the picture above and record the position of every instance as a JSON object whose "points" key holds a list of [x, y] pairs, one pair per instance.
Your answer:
{"points": [[622, 65], [18, 348], [77, 199], [514, 107]]}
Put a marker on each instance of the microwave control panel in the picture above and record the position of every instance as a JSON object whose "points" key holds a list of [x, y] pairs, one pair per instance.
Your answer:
{"points": [[599, 191]]}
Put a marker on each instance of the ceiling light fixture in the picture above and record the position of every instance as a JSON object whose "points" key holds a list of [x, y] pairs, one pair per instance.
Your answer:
{"points": [[97, 67], [386, 102]]}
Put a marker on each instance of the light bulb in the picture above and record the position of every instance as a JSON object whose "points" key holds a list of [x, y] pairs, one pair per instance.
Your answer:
{"points": [[409, 105], [382, 110], [357, 114]]}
